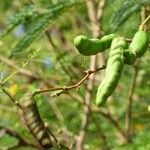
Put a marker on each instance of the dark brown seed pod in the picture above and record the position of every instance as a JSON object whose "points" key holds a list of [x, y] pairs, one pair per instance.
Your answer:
{"points": [[34, 122]]}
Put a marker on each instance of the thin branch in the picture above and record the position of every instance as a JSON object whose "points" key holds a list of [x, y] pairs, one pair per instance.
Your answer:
{"points": [[115, 123], [20, 71], [75, 86], [56, 140], [128, 122], [129, 105], [93, 18], [100, 56], [102, 111], [102, 135], [100, 10], [144, 22], [11, 98], [86, 110], [58, 53], [95, 28]]}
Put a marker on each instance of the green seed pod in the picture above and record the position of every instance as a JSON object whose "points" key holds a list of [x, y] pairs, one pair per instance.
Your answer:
{"points": [[34, 122], [139, 44], [128, 57], [113, 71], [88, 47]]}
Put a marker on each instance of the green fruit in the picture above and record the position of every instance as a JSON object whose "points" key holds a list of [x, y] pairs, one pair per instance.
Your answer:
{"points": [[113, 71], [139, 44], [128, 57], [88, 47]]}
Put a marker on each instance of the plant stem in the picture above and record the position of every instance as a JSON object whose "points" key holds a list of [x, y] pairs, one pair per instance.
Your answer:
{"points": [[129, 105], [143, 24]]}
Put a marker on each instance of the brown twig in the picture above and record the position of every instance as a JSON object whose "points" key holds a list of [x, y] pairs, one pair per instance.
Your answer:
{"points": [[86, 110], [11, 97], [100, 9], [133, 84], [100, 56], [93, 108], [22, 141], [75, 86], [96, 31], [130, 101], [142, 26], [55, 139], [93, 18], [95, 28]]}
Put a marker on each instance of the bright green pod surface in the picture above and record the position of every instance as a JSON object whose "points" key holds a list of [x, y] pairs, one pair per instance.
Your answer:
{"points": [[128, 57], [139, 44], [88, 46], [113, 71]]}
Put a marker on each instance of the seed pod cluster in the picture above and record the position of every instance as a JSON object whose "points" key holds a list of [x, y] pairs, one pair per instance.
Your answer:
{"points": [[34, 122], [88, 47], [119, 55], [113, 71]]}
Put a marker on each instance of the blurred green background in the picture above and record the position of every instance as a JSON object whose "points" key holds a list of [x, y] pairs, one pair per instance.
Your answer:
{"points": [[40, 34]]}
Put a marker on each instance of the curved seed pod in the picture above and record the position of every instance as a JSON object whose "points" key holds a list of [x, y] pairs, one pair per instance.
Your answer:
{"points": [[88, 47], [113, 71], [128, 57], [139, 44], [34, 122]]}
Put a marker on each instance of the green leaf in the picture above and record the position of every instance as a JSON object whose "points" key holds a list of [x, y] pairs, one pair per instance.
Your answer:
{"points": [[7, 141], [30, 12], [128, 8], [47, 19]]}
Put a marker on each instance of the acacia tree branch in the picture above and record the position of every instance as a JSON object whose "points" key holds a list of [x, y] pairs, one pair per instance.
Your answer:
{"points": [[22, 141], [93, 18], [100, 9], [75, 86], [57, 51], [128, 122], [144, 22], [102, 136], [95, 28], [101, 57], [130, 101], [86, 110]]}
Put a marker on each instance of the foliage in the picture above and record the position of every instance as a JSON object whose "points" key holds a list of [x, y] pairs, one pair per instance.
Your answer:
{"points": [[40, 44], [126, 10]]}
